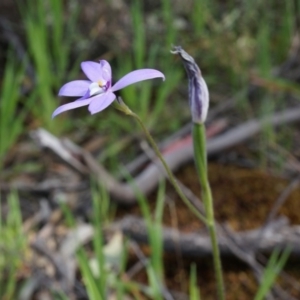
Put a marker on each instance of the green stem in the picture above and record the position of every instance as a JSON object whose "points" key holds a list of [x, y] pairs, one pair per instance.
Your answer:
{"points": [[199, 140], [169, 172]]}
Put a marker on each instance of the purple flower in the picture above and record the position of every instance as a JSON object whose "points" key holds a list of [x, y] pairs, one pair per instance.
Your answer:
{"points": [[98, 92], [198, 91]]}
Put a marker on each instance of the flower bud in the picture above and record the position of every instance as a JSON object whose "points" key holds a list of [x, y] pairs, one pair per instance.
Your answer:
{"points": [[198, 91]]}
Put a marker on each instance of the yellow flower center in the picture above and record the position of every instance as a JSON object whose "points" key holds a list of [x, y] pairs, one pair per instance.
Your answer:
{"points": [[101, 83]]}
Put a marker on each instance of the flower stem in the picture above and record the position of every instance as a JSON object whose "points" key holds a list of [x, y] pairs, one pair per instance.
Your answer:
{"points": [[199, 140], [169, 172]]}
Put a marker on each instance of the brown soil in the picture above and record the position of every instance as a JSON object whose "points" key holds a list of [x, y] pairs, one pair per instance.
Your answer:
{"points": [[243, 198]]}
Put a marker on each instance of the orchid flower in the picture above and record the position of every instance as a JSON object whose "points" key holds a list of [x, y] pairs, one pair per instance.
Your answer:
{"points": [[98, 91]]}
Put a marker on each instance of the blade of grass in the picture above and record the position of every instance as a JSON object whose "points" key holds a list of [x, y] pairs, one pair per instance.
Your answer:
{"points": [[273, 268], [153, 282], [168, 17], [11, 121], [154, 228], [194, 290], [12, 246], [139, 43], [51, 55], [87, 275], [100, 211]]}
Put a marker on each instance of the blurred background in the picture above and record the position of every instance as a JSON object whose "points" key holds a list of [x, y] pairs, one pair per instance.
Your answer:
{"points": [[70, 176]]}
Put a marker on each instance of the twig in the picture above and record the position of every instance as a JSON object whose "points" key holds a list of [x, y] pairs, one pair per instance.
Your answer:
{"points": [[148, 179], [43, 187], [46, 140], [64, 273], [198, 245], [280, 201]]}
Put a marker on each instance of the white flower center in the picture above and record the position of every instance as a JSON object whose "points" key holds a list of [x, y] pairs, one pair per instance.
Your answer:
{"points": [[97, 88]]}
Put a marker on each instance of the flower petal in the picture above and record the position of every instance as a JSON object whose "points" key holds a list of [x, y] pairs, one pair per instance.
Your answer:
{"points": [[136, 76], [106, 70], [71, 105], [92, 70], [74, 88], [85, 96], [101, 102]]}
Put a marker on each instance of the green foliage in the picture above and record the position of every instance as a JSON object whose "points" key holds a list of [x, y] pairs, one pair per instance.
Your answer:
{"points": [[272, 270], [150, 99], [154, 227], [11, 116], [139, 40], [94, 285], [12, 247], [200, 15], [194, 289], [168, 20], [154, 267], [50, 41], [96, 274]]}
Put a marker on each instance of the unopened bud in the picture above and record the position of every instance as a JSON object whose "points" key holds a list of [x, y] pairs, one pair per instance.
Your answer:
{"points": [[198, 91]]}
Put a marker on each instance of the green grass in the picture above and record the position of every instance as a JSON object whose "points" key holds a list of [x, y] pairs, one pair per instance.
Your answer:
{"points": [[50, 43], [12, 247], [149, 99], [271, 272], [194, 289], [97, 276], [11, 115], [154, 228]]}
